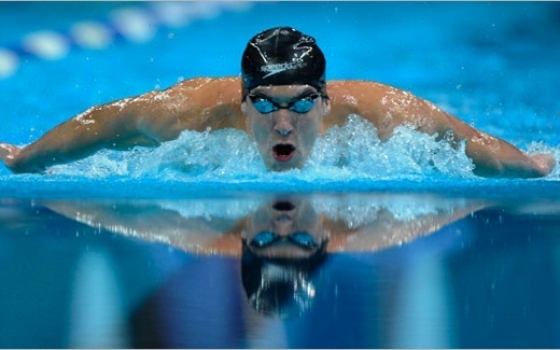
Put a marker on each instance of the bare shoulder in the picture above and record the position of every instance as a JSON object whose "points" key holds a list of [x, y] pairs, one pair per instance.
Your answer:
{"points": [[193, 104], [383, 105], [210, 102], [373, 101]]}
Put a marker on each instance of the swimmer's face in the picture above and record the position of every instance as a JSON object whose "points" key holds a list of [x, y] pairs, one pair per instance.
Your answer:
{"points": [[288, 229], [285, 121]]}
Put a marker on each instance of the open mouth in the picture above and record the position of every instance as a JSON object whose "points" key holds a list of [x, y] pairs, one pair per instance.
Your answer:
{"points": [[283, 206], [283, 152]]}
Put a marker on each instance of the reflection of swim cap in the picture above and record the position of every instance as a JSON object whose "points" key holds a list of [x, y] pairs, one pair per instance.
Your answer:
{"points": [[280, 288], [282, 56]]}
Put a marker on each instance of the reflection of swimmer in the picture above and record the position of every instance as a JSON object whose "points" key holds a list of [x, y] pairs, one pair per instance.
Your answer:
{"points": [[285, 229], [281, 100], [281, 288], [283, 243]]}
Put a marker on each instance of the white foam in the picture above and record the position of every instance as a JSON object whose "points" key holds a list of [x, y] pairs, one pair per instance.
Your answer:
{"points": [[360, 210], [231, 209], [350, 152], [407, 154]]}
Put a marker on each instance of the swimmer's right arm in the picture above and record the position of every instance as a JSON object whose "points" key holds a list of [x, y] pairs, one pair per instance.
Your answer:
{"points": [[145, 120], [97, 128]]}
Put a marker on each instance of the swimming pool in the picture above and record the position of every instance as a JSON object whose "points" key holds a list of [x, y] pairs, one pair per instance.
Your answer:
{"points": [[142, 248]]}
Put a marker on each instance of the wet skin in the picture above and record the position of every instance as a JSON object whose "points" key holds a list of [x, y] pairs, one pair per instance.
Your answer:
{"points": [[201, 103], [284, 137], [285, 218]]}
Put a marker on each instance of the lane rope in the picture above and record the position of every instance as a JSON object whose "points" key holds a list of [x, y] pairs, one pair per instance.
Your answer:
{"points": [[137, 24]]}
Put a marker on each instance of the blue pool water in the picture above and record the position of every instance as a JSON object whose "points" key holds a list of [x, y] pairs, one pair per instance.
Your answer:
{"points": [[497, 72], [128, 249]]}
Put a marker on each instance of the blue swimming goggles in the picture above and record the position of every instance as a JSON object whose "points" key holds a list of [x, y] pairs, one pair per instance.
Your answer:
{"points": [[301, 105], [266, 238]]}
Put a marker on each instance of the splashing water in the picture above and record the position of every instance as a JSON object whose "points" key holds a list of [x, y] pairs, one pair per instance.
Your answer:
{"points": [[360, 210], [356, 149], [352, 151], [346, 158]]}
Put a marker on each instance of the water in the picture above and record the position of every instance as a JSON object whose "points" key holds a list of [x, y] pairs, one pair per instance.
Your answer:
{"points": [[497, 73], [399, 271], [144, 248]]}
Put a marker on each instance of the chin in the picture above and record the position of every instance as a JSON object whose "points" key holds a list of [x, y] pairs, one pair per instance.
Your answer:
{"points": [[284, 166], [277, 166]]}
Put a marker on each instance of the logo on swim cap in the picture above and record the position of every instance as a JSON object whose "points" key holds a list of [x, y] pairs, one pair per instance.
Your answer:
{"points": [[272, 69], [282, 56]]}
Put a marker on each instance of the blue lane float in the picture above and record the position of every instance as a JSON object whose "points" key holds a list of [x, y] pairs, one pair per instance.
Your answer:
{"points": [[137, 24]]}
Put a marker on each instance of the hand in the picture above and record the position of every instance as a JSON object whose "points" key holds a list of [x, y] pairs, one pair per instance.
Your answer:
{"points": [[544, 163], [9, 154]]}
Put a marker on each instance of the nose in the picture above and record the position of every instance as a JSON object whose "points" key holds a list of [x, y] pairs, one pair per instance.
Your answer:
{"points": [[284, 224], [283, 125]]}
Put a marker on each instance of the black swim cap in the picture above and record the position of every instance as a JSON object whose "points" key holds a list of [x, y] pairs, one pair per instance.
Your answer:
{"points": [[282, 56], [281, 287]]}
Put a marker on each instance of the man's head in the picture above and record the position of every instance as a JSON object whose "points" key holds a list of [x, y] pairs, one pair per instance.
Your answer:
{"points": [[282, 56], [288, 229], [284, 244], [284, 95]]}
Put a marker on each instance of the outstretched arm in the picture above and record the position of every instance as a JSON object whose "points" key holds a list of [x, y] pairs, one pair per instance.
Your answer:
{"points": [[387, 107], [145, 120], [107, 126], [388, 231], [150, 221], [493, 157]]}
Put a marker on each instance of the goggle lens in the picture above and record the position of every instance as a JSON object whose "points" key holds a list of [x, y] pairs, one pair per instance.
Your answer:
{"points": [[267, 238], [301, 105]]}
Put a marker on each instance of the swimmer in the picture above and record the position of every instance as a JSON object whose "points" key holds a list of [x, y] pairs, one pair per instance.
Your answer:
{"points": [[281, 100]]}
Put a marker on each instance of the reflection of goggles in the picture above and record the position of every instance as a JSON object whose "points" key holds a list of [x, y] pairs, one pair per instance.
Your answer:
{"points": [[266, 105], [266, 238]]}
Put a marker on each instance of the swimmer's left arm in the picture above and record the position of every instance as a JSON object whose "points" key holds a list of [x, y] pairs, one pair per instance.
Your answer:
{"points": [[388, 231], [387, 107], [492, 156]]}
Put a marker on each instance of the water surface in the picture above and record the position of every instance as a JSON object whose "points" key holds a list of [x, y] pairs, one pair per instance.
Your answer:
{"points": [[398, 270]]}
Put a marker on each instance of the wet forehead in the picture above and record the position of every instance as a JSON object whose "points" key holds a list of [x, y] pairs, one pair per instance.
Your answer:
{"points": [[284, 91]]}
